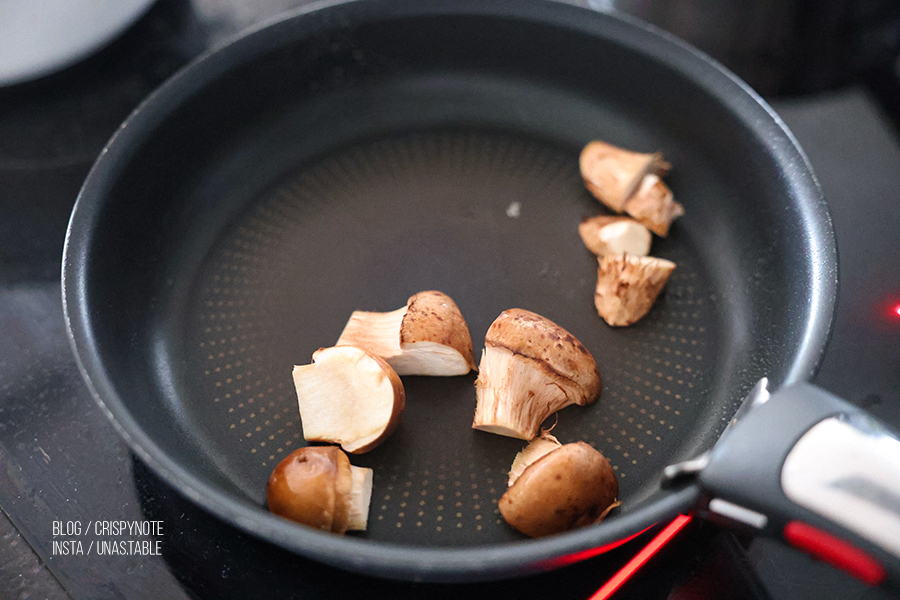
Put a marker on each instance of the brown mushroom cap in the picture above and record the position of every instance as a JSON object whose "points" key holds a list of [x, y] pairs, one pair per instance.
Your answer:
{"points": [[434, 317], [566, 488], [312, 486], [612, 174], [551, 347]]}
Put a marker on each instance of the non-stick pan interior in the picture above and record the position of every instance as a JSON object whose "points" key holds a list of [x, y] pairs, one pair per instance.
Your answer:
{"points": [[348, 158]]}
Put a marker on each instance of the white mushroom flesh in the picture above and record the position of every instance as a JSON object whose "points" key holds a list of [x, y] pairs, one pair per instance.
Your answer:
{"points": [[605, 235], [626, 237], [345, 397], [359, 499], [429, 358]]}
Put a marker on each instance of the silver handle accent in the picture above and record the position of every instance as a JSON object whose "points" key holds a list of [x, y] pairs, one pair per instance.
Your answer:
{"points": [[848, 470]]}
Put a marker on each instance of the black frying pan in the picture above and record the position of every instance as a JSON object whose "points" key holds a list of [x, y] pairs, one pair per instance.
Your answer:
{"points": [[351, 155]]}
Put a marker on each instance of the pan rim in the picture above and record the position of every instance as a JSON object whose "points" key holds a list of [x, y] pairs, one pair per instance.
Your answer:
{"points": [[401, 561]]}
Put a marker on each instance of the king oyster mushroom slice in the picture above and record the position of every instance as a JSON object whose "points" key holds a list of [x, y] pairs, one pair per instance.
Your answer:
{"points": [[654, 206], [428, 336], [530, 368], [613, 174], [560, 487], [604, 235], [627, 286]]}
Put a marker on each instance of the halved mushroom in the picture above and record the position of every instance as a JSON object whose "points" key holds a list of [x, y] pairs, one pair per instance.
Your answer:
{"points": [[530, 368], [348, 397], [604, 235], [654, 206], [627, 286], [613, 174], [569, 486], [426, 337], [317, 486]]}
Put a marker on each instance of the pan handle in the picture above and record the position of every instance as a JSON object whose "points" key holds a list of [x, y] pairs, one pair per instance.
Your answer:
{"points": [[816, 472]]}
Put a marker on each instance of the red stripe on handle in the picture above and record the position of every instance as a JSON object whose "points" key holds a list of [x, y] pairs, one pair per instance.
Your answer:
{"points": [[835, 551]]}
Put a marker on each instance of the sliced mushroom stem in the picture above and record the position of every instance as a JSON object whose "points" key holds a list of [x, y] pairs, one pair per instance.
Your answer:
{"points": [[428, 336], [530, 368], [514, 396], [359, 499], [375, 332], [628, 286], [350, 397]]}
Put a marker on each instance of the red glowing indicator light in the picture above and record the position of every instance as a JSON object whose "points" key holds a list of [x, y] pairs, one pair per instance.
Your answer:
{"points": [[840, 553], [886, 311], [592, 552], [641, 558]]}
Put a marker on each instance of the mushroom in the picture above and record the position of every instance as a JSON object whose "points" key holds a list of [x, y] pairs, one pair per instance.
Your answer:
{"points": [[348, 397], [568, 486], [535, 449], [604, 235], [426, 337], [627, 286], [530, 368], [613, 174], [317, 486], [653, 205]]}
